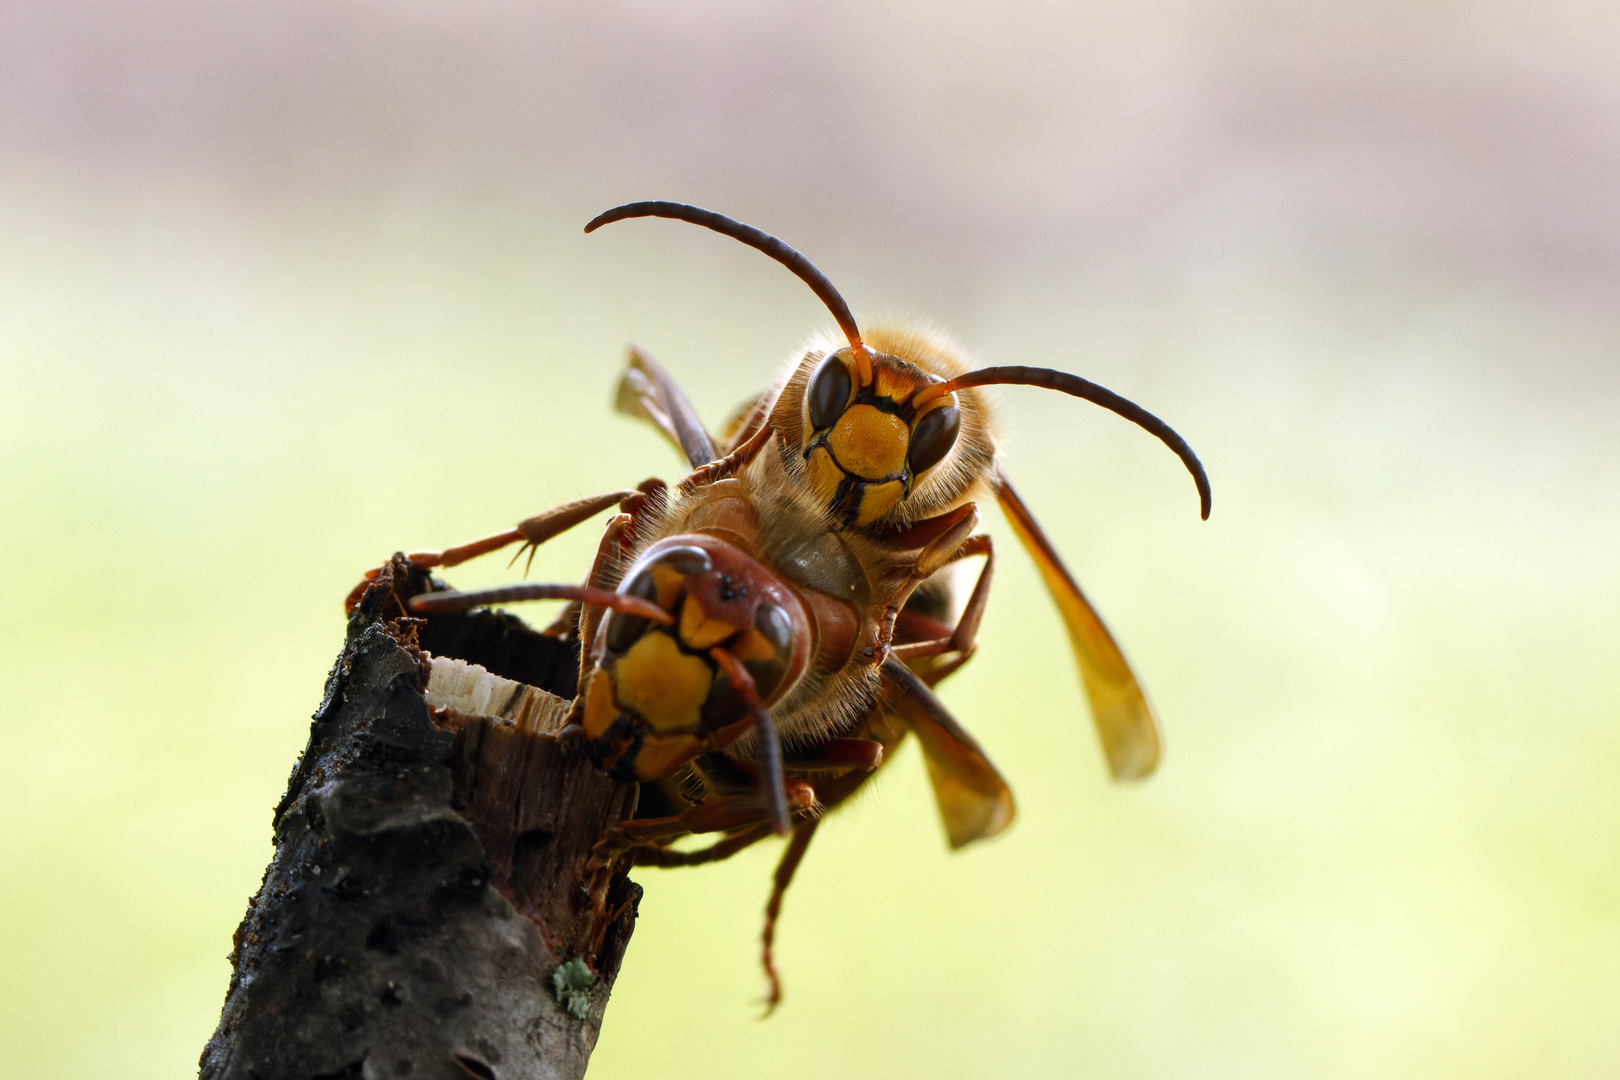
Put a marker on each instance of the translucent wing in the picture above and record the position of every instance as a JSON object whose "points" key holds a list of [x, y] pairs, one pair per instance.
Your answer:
{"points": [[647, 392], [1130, 736], [974, 801]]}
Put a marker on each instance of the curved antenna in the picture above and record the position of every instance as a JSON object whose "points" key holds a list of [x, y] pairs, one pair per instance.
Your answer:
{"points": [[1075, 386], [770, 743], [451, 602], [760, 241]]}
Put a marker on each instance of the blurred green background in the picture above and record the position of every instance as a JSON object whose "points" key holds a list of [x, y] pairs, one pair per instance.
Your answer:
{"points": [[285, 287]]}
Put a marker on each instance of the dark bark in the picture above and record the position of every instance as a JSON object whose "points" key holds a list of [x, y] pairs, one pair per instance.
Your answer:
{"points": [[433, 875]]}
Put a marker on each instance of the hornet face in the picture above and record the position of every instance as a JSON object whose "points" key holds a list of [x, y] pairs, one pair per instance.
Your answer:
{"points": [[865, 442], [661, 695]]}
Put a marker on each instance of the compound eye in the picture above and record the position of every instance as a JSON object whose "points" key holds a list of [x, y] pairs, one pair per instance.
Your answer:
{"points": [[624, 630], [933, 438], [773, 622], [686, 560], [828, 392]]}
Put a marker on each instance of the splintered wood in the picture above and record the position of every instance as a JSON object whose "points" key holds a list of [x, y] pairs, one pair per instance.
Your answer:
{"points": [[525, 798], [461, 692]]}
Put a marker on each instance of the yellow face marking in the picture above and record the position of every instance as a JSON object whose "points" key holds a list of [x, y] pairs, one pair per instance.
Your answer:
{"points": [[824, 474], [661, 755], [753, 646], [668, 582], [665, 686], [698, 631], [869, 443], [894, 384], [879, 499], [600, 708]]}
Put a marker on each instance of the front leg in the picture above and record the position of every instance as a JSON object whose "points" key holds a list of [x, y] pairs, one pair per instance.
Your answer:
{"points": [[962, 639], [791, 857], [532, 531], [947, 534], [668, 858], [744, 816], [729, 465]]}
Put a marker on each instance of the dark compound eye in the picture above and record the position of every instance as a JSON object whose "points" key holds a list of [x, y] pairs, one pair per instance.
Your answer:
{"points": [[933, 438], [772, 621], [641, 586], [686, 560], [828, 392], [624, 630], [724, 705], [767, 676]]}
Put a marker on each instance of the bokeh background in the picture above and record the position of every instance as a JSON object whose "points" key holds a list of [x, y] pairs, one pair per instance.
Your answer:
{"points": [[287, 286]]}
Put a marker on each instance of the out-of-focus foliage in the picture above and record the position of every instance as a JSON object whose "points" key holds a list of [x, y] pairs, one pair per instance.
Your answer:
{"points": [[286, 287]]}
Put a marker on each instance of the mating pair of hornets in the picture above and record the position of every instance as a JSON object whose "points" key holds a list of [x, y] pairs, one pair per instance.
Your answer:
{"points": [[757, 640]]}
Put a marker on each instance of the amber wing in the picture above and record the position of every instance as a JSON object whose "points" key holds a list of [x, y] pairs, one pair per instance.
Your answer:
{"points": [[1130, 736], [974, 801]]}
